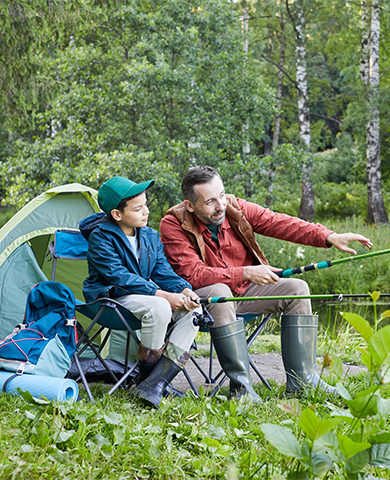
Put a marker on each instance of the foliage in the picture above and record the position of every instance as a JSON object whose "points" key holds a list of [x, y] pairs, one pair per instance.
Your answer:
{"points": [[156, 82], [347, 439]]}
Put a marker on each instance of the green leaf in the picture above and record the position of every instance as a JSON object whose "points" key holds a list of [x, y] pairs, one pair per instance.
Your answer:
{"points": [[364, 406], [349, 448], [233, 422], [291, 406], [343, 392], [359, 324], [215, 432], [315, 427], [113, 418], [337, 366], [297, 476], [65, 435], [321, 464], [282, 439], [356, 463], [385, 314], [379, 345], [380, 455], [375, 295]]}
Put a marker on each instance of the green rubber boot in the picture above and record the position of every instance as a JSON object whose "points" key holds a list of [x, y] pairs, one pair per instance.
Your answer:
{"points": [[231, 347], [299, 348], [147, 358]]}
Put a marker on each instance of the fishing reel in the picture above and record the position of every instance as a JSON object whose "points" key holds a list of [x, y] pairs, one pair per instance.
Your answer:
{"points": [[203, 320]]}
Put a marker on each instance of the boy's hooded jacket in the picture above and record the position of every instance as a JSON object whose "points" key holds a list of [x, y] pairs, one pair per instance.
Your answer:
{"points": [[113, 268]]}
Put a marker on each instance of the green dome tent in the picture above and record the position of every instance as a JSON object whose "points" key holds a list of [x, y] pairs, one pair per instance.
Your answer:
{"points": [[24, 242]]}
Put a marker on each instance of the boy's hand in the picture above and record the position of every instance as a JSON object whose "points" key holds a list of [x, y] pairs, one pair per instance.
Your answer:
{"points": [[179, 300], [190, 298]]}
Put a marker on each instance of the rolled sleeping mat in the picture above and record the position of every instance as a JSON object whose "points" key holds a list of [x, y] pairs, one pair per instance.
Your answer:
{"points": [[52, 388]]}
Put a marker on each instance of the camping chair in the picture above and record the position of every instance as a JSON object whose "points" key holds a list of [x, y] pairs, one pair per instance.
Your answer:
{"points": [[247, 317], [105, 313]]}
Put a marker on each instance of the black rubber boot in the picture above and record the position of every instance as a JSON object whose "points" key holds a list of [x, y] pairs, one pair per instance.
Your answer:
{"points": [[231, 347], [147, 358], [151, 390], [299, 349]]}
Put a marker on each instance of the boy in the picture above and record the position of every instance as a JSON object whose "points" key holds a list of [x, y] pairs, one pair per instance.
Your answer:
{"points": [[126, 262]]}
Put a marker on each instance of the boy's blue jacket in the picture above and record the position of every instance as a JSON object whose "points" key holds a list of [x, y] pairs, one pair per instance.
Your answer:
{"points": [[113, 268]]}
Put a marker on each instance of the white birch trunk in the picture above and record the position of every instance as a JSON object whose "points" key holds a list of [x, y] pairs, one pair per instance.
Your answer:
{"points": [[376, 211], [306, 208], [246, 149]]}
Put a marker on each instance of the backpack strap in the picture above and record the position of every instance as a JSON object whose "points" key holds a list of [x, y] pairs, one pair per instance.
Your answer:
{"points": [[8, 380]]}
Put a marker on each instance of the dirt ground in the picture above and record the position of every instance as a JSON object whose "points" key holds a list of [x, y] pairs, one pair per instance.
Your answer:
{"points": [[270, 366]]}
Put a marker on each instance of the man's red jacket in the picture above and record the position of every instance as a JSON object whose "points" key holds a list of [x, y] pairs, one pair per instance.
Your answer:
{"points": [[225, 263]]}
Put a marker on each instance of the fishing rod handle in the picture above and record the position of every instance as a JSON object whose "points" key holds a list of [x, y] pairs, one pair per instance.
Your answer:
{"points": [[306, 268]]}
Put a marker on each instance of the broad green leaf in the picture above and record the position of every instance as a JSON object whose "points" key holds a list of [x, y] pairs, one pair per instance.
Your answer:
{"points": [[367, 360], [337, 366], [363, 407], [356, 463], [215, 432], [321, 464], [315, 427], [385, 314], [328, 440], [291, 406], [113, 418], [383, 437], [211, 442], [343, 392], [349, 448], [233, 422], [380, 455], [379, 345], [383, 407], [359, 324], [297, 476], [65, 435], [282, 439]]}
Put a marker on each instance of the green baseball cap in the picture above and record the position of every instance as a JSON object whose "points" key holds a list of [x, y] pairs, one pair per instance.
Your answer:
{"points": [[112, 192]]}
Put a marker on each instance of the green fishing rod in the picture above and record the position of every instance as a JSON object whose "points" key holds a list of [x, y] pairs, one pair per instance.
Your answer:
{"points": [[340, 297], [326, 264]]}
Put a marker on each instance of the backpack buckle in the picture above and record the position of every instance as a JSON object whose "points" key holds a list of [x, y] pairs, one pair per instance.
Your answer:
{"points": [[71, 322], [21, 326], [20, 369]]}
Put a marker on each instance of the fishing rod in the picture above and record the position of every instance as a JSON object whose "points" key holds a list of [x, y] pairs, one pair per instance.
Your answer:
{"points": [[336, 296], [326, 264]]}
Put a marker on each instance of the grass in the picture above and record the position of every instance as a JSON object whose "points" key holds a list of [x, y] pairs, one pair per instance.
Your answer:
{"points": [[117, 438], [190, 438]]}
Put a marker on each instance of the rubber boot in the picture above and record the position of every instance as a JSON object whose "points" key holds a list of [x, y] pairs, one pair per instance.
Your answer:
{"points": [[231, 347], [299, 349], [147, 358], [151, 390]]}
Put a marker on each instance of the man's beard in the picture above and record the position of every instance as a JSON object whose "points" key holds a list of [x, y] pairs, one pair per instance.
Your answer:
{"points": [[216, 221]]}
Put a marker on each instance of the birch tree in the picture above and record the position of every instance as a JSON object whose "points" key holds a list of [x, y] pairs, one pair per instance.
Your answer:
{"points": [[376, 212], [306, 208]]}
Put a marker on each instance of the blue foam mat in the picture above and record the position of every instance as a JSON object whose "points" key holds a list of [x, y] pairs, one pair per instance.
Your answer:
{"points": [[52, 388]]}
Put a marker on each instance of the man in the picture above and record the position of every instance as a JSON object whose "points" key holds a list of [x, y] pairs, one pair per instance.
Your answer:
{"points": [[209, 240], [126, 262]]}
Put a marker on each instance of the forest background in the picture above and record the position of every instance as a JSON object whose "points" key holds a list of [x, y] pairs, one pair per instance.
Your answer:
{"points": [[287, 99]]}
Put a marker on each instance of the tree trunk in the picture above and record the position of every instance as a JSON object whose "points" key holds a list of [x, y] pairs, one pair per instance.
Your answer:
{"points": [[246, 149], [376, 212], [306, 208]]}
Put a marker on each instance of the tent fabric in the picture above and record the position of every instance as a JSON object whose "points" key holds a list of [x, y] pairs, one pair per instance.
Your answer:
{"points": [[24, 242]]}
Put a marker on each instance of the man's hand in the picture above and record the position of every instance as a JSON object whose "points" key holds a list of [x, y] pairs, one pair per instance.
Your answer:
{"points": [[261, 274], [341, 241]]}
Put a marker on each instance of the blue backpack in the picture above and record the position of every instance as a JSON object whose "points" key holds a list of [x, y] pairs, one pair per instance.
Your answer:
{"points": [[45, 342]]}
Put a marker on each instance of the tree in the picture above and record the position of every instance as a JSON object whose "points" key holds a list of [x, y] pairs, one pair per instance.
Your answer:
{"points": [[156, 87], [376, 211]]}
